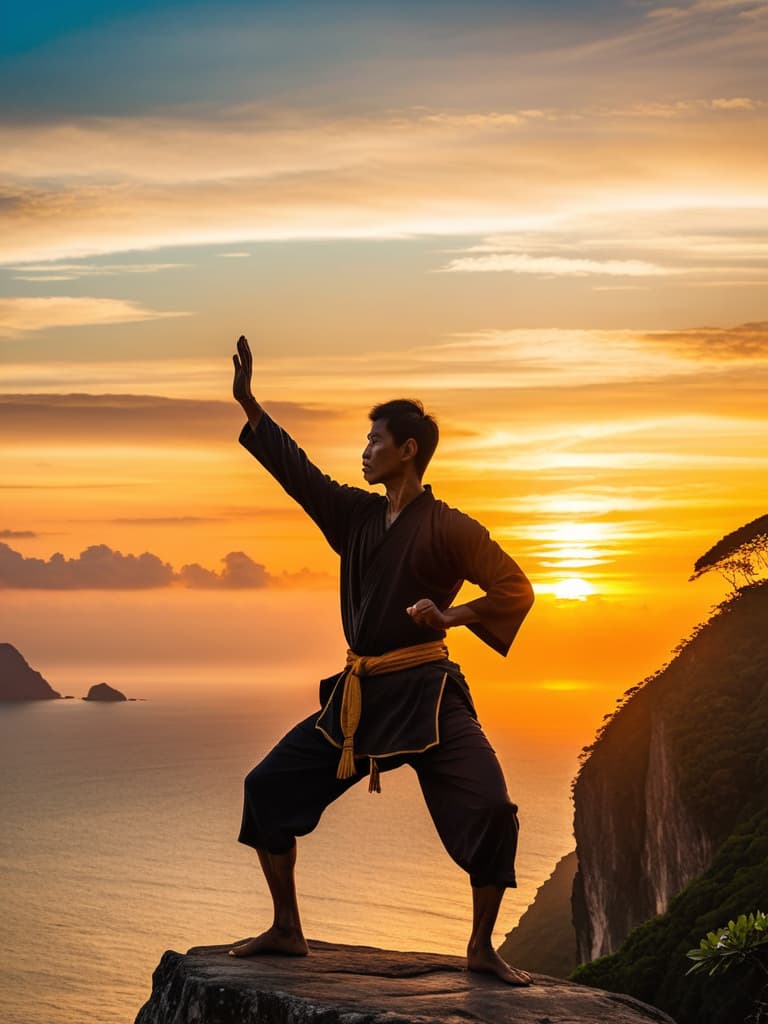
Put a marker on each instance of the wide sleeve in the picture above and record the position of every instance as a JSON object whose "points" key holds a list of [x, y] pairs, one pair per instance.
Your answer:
{"points": [[508, 591], [331, 505]]}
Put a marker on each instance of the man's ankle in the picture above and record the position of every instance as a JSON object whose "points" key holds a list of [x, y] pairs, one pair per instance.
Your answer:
{"points": [[288, 929], [479, 945]]}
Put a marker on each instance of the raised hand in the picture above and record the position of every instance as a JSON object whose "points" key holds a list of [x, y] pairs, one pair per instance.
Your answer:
{"points": [[243, 360]]}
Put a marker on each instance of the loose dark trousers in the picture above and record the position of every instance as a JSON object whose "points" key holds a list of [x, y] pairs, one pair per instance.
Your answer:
{"points": [[461, 780]]}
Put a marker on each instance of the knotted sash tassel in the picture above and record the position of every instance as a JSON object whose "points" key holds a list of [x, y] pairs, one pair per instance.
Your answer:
{"points": [[374, 782], [351, 707], [346, 767]]}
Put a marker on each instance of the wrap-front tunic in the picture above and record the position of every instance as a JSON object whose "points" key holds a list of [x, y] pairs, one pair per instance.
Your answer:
{"points": [[427, 552]]}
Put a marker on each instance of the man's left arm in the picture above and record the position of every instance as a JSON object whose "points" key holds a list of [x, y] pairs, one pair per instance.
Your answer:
{"points": [[497, 616]]}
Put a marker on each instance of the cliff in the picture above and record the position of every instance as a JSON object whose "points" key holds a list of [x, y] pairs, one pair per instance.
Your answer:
{"points": [[360, 985], [671, 776], [637, 840], [544, 940], [671, 815], [20, 682]]}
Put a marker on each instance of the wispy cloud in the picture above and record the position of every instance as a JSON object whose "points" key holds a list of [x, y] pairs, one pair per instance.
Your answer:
{"points": [[557, 266], [735, 103], [697, 8], [137, 418], [247, 174], [19, 316], [56, 271], [499, 359], [695, 245], [741, 343], [164, 520]]}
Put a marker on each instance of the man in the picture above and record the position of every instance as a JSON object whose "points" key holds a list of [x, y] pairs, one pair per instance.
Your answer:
{"points": [[404, 557]]}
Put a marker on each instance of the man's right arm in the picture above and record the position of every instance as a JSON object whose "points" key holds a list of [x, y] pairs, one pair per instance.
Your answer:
{"points": [[328, 503]]}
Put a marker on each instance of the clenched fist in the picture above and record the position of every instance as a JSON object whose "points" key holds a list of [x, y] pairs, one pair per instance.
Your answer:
{"points": [[426, 613]]}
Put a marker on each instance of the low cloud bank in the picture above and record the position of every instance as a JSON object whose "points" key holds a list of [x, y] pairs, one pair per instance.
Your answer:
{"points": [[101, 568]]}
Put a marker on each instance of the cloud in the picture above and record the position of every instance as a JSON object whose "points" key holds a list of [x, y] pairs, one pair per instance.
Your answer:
{"points": [[99, 567], [239, 572], [140, 419], [57, 271], [246, 173], [735, 103], [304, 579], [522, 263], [491, 360], [163, 520], [180, 377], [743, 343], [656, 245], [480, 119], [17, 534], [19, 316], [709, 7]]}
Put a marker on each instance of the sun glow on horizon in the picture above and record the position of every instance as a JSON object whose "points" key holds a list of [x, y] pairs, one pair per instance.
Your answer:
{"points": [[569, 588], [574, 588]]}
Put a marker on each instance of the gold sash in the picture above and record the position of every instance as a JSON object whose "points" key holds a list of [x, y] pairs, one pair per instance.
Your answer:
{"points": [[375, 665]]}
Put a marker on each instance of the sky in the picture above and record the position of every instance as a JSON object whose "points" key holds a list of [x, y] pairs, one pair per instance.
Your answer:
{"points": [[548, 221]]}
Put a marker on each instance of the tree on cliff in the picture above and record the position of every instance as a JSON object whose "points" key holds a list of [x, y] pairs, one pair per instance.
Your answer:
{"points": [[739, 556]]}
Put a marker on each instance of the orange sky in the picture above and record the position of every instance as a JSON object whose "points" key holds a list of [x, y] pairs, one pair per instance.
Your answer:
{"points": [[551, 229]]}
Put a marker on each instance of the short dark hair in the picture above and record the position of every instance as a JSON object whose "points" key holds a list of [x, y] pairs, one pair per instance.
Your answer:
{"points": [[405, 418]]}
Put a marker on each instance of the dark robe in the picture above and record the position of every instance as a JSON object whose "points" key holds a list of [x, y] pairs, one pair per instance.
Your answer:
{"points": [[427, 552]]}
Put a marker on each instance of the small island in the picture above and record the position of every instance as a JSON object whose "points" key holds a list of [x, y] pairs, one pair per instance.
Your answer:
{"points": [[103, 691]]}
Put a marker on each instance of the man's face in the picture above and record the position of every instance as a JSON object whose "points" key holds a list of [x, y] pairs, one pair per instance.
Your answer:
{"points": [[382, 458]]}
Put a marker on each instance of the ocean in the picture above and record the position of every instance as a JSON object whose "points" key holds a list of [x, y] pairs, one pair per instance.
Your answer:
{"points": [[118, 841]]}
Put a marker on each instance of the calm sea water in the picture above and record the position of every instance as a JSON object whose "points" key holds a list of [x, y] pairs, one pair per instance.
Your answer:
{"points": [[118, 842]]}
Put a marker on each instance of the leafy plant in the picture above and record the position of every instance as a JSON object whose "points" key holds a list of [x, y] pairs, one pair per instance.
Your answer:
{"points": [[744, 940]]}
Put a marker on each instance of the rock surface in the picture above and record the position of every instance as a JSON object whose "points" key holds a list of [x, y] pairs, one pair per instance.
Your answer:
{"points": [[360, 985], [103, 691], [20, 682]]}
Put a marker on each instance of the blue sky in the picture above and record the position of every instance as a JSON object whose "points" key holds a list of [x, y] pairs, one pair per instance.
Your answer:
{"points": [[89, 58]]}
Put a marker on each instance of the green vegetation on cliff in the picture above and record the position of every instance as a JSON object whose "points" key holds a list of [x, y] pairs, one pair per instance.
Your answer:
{"points": [[652, 963], [721, 718], [714, 699]]}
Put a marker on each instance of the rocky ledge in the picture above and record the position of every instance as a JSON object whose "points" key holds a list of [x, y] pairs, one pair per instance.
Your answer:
{"points": [[361, 985]]}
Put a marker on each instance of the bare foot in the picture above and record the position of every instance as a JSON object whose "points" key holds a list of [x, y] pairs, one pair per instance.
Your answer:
{"points": [[272, 941], [488, 961]]}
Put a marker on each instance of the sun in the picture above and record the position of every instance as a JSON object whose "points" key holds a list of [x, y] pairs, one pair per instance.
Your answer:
{"points": [[573, 589]]}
